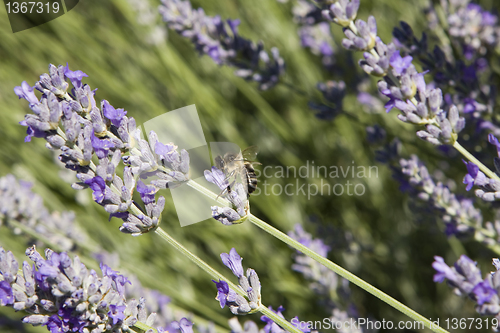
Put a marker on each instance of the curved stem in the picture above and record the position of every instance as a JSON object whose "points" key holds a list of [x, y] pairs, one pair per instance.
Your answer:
{"points": [[345, 274]]}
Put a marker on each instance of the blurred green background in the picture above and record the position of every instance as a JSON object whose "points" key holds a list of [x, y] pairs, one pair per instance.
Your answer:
{"points": [[376, 236]]}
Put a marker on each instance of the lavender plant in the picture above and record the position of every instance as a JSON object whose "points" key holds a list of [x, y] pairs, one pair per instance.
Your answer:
{"points": [[425, 104], [24, 210], [221, 41], [107, 133], [65, 296], [407, 92], [78, 144], [466, 279], [95, 141]]}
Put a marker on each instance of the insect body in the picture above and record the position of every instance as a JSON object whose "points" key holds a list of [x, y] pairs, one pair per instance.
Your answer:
{"points": [[239, 168]]}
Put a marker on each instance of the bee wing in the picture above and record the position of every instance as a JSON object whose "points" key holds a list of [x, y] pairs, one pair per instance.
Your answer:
{"points": [[219, 163], [250, 153]]}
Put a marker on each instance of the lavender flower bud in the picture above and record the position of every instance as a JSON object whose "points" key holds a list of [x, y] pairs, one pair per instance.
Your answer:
{"points": [[342, 12]]}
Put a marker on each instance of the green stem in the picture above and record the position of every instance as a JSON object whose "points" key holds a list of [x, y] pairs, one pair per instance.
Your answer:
{"points": [[203, 190], [474, 160], [278, 320], [194, 258], [216, 275], [345, 274]]}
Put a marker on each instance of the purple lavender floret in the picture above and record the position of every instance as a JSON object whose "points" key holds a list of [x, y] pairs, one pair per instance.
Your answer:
{"points": [[474, 176], [483, 291], [233, 262], [75, 77], [466, 279], [221, 41], [400, 64], [116, 313], [217, 177], [98, 187], [147, 192], [6, 294], [224, 293], [27, 92], [114, 115]]}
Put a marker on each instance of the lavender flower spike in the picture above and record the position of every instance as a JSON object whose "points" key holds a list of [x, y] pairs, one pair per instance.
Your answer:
{"points": [[92, 141], [406, 89], [19, 204], [250, 284], [466, 279], [221, 41], [63, 295]]}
